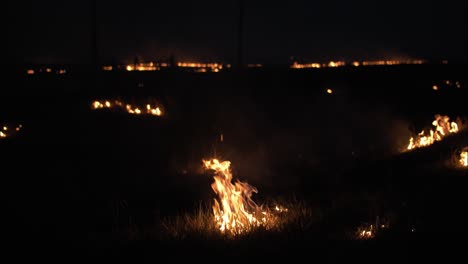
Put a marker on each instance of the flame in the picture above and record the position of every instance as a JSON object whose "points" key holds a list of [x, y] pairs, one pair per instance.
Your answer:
{"points": [[443, 127], [464, 158], [5, 131], [366, 232], [131, 109], [234, 210], [333, 64]]}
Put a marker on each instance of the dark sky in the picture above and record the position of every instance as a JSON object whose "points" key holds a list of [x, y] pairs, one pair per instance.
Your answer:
{"points": [[275, 31]]}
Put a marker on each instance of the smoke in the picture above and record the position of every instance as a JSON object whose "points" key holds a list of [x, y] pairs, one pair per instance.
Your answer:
{"points": [[278, 141]]}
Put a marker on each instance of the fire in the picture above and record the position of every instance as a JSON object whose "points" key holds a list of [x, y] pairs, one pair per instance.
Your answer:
{"points": [[131, 109], [443, 127], [5, 131], [234, 210], [365, 232], [464, 158]]}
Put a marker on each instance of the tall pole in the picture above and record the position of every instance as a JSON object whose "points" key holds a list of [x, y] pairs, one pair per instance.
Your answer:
{"points": [[94, 30], [240, 35], [94, 47]]}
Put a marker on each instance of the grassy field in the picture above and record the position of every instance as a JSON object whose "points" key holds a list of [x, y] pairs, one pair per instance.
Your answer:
{"points": [[106, 183]]}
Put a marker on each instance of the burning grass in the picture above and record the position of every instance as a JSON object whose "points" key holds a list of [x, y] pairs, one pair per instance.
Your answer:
{"points": [[463, 158], [234, 210], [202, 224], [148, 109], [234, 213], [443, 127]]}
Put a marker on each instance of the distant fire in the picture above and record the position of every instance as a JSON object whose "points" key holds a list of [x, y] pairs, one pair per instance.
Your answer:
{"points": [[234, 210], [158, 66], [443, 127], [365, 232], [7, 131], [464, 157], [334, 64], [129, 108], [46, 70]]}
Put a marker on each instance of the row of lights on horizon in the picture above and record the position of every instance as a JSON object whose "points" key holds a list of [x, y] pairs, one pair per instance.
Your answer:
{"points": [[217, 67], [334, 64]]}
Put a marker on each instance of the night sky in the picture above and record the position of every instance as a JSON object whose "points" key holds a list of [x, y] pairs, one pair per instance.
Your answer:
{"points": [[275, 31]]}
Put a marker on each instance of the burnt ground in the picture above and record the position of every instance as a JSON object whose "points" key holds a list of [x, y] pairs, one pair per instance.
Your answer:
{"points": [[66, 172]]}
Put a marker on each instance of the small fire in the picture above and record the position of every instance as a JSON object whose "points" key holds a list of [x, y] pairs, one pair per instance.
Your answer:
{"points": [[464, 157], [366, 232], [131, 109], [370, 231], [5, 131], [234, 210], [443, 127]]}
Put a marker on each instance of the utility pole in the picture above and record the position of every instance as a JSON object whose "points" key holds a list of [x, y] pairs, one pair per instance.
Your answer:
{"points": [[95, 52], [240, 35]]}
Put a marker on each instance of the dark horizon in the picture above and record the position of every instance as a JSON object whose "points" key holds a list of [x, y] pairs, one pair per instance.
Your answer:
{"points": [[274, 33]]}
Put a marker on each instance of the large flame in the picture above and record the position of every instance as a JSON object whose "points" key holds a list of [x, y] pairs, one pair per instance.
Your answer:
{"points": [[443, 127], [234, 210]]}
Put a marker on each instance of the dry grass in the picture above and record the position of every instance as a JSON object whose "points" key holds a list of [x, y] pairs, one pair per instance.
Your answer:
{"points": [[200, 224]]}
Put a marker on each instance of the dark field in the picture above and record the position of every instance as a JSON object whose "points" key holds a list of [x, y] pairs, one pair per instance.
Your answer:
{"points": [[101, 182]]}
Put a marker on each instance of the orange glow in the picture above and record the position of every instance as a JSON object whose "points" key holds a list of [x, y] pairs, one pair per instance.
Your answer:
{"points": [[107, 68], [464, 157], [234, 210], [30, 72], [329, 91], [297, 65], [201, 67], [131, 109], [435, 88], [333, 64], [5, 131], [256, 65], [443, 127], [366, 232]]}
